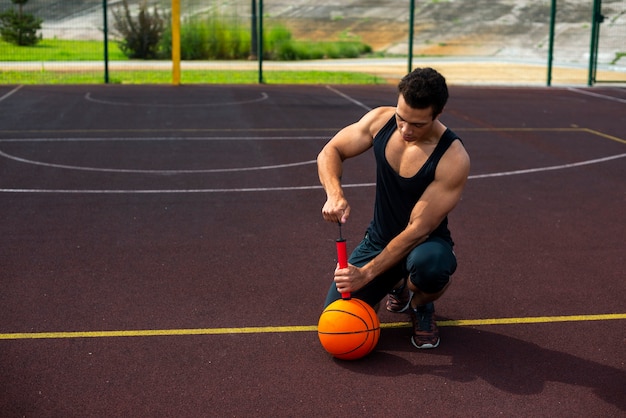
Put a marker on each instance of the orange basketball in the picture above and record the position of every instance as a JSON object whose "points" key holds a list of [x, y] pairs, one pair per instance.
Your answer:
{"points": [[348, 329]]}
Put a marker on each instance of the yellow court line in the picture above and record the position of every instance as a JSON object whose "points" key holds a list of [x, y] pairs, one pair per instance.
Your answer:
{"points": [[508, 321], [201, 130], [603, 135], [213, 130], [295, 328]]}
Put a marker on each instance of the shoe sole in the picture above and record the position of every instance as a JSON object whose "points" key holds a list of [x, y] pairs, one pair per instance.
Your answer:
{"points": [[425, 346]]}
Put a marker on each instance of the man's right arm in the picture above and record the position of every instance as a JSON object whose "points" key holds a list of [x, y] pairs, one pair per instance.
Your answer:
{"points": [[347, 143]]}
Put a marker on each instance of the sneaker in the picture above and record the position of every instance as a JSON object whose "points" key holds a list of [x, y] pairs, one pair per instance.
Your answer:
{"points": [[425, 331], [398, 300]]}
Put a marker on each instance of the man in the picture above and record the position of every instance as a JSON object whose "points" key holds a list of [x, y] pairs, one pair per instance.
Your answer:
{"points": [[421, 169]]}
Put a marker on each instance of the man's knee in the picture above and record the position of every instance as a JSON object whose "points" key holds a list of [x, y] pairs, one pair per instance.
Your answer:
{"points": [[430, 266], [430, 283]]}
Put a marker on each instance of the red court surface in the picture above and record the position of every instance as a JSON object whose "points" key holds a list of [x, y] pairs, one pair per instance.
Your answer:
{"points": [[163, 255]]}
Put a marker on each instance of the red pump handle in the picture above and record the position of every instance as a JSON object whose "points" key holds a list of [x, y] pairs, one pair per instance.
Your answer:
{"points": [[342, 259]]}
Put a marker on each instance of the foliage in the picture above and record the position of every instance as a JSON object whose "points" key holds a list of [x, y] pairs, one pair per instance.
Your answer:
{"points": [[219, 38], [203, 37], [305, 50], [19, 28], [278, 44], [140, 36], [618, 56], [209, 37]]}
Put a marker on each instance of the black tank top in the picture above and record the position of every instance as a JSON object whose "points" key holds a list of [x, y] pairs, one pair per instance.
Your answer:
{"points": [[396, 195]]}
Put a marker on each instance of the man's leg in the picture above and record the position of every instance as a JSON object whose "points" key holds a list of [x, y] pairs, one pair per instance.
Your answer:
{"points": [[430, 265]]}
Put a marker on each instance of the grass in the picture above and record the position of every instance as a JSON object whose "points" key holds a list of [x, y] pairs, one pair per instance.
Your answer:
{"points": [[188, 77], [55, 50], [60, 50]]}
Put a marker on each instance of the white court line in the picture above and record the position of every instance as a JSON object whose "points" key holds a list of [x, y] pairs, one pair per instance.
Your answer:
{"points": [[11, 92], [166, 191], [551, 168], [602, 96], [171, 138], [136, 171], [88, 97], [345, 96], [314, 187]]}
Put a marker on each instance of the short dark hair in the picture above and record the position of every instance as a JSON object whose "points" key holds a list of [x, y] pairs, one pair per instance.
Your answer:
{"points": [[423, 88]]}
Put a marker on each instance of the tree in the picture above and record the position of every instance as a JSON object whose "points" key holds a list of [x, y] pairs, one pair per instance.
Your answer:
{"points": [[18, 27], [141, 36]]}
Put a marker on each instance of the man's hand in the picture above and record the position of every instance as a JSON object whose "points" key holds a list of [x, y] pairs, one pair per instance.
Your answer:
{"points": [[349, 279], [336, 210], [349, 142]]}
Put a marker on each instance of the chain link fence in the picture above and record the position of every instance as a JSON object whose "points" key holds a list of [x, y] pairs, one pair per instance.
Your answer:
{"points": [[470, 40]]}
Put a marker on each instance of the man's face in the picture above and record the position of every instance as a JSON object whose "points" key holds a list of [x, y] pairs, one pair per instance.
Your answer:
{"points": [[413, 124]]}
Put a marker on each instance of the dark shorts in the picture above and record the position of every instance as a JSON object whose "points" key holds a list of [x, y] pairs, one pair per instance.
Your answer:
{"points": [[429, 267]]}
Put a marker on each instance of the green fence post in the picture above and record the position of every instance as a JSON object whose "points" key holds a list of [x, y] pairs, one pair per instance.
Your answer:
{"points": [[106, 43], [260, 40], [596, 19], [411, 24], [551, 45]]}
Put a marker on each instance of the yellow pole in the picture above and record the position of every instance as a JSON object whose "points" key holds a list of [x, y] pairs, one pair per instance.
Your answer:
{"points": [[176, 42]]}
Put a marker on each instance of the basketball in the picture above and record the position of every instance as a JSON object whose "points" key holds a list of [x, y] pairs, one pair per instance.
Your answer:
{"points": [[348, 329]]}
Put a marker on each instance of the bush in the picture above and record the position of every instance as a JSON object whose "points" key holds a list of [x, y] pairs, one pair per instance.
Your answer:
{"points": [[218, 37], [227, 40], [19, 28], [209, 37], [306, 50], [140, 37], [193, 41]]}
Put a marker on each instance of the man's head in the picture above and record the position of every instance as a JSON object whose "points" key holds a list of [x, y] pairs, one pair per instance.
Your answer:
{"points": [[423, 88]]}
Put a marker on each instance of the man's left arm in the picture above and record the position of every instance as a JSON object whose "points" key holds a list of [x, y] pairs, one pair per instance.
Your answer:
{"points": [[438, 200]]}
